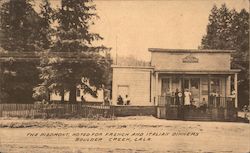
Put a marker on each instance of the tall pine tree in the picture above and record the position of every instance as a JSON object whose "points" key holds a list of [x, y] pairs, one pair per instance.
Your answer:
{"points": [[20, 27], [46, 33], [59, 71], [229, 29]]}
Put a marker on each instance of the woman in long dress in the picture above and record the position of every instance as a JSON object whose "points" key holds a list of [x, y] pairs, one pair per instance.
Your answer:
{"points": [[187, 98]]}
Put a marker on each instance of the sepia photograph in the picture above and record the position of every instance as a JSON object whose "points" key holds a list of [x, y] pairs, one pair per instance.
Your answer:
{"points": [[124, 76]]}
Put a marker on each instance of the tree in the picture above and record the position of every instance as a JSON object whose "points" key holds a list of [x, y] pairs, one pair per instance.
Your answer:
{"points": [[20, 26], [46, 32], [73, 59], [229, 29], [47, 16]]}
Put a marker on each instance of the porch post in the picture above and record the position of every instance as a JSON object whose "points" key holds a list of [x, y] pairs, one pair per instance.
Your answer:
{"points": [[236, 89], [228, 86], [182, 89], [156, 88], [208, 98]]}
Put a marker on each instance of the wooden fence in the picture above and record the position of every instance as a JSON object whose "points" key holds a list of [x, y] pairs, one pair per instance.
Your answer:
{"points": [[56, 111]]}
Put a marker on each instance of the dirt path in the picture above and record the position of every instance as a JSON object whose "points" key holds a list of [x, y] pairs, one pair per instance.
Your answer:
{"points": [[133, 134]]}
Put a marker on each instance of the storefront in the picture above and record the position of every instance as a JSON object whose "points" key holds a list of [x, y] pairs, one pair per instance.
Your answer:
{"points": [[206, 74]]}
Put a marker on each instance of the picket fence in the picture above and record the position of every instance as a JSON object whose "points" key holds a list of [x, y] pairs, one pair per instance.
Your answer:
{"points": [[56, 111]]}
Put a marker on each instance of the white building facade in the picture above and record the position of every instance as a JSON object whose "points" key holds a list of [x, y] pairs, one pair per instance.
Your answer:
{"points": [[207, 74]]}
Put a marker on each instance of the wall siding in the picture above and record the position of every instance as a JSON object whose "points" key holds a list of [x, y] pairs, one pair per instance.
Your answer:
{"points": [[138, 81]]}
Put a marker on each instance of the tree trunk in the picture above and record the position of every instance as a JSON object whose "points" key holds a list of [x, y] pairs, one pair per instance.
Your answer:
{"points": [[72, 94], [62, 96]]}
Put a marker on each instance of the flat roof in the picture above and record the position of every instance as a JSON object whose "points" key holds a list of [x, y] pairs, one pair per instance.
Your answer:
{"points": [[231, 71], [190, 50]]}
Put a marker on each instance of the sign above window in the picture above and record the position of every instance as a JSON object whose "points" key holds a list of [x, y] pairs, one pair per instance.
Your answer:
{"points": [[190, 59]]}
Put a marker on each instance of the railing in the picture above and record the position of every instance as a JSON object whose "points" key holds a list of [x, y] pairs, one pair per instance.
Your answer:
{"points": [[221, 102], [214, 102], [55, 111], [168, 100]]}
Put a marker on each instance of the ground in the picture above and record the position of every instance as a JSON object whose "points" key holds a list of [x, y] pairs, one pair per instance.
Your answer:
{"points": [[126, 134]]}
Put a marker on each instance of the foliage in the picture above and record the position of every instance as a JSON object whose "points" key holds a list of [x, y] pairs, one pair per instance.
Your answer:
{"points": [[229, 29], [73, 39], [46, 32], [19, 26], [20, 32], [131, 61]]}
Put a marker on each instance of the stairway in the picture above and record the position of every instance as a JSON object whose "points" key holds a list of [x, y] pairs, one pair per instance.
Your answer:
{"points": [[197, 116]]}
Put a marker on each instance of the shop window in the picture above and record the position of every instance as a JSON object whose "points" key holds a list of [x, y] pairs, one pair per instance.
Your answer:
{"points": [[165, 89], [175, 84], [186, 84], [204, 87], [195, 83]]}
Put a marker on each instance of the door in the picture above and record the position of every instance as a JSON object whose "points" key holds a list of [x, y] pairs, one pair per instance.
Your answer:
{"points": [[195, 90], [123, 90], [193, 85]]}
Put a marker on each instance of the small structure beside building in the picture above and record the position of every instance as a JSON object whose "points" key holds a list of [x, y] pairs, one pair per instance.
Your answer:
{"points": [[205, 75]]}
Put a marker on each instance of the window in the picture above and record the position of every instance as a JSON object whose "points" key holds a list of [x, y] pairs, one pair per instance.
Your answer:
{"points": [[165, 89], [195, 83], [186, 84], [215, 86], [175, 84]]}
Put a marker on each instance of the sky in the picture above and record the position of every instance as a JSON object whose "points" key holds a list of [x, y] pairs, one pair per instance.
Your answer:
{"points": [[130, 27]]}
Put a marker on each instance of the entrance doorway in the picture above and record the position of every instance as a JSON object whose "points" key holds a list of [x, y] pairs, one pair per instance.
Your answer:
{"points": [[193, 85]]}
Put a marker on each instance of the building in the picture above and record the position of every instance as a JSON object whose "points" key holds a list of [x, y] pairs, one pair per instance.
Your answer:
{"points": [[56, 97], [207, 75]]}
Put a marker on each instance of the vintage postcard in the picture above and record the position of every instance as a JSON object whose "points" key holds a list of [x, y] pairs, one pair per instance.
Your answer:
{"points": [[124, 76]]}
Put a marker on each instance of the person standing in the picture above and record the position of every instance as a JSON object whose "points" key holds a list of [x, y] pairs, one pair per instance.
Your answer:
{"points": [[187, 97], [177, 97]]}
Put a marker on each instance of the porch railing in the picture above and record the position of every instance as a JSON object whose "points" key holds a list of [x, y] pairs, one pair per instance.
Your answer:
{"points": [[168, 100], [214, 102], [221, 102]]}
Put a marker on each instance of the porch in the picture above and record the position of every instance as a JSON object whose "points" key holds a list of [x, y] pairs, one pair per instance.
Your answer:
{"points": [[213, 95], [217, 109], [205, 87], [214, 102]]}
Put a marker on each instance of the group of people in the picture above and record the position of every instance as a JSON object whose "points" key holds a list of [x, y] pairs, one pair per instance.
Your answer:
{"points": [[123, 101], [188, 100]]}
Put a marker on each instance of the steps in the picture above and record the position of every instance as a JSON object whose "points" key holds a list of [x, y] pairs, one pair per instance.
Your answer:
{"points": [[197, 116]]}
